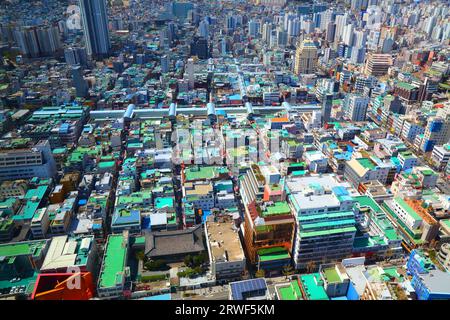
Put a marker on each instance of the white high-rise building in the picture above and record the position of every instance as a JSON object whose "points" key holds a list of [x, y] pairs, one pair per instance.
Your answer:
{"points": [[348, 34], [341, 22], [356, 107]]}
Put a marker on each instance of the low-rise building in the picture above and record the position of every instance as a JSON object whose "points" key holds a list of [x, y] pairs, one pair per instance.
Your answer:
{"points": [[16, 188], [429, 282], [252, 289], [71, 254], [40, 223], [441, 156], [114, 271], [226, 255], [174, 245]]}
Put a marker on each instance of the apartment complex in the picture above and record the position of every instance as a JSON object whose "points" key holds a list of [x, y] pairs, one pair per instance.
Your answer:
{"points": [[33, 161], [306, 58], [378, 64]]}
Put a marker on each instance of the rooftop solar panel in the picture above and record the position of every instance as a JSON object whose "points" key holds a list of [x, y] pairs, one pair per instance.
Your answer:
{"points": [[238, 288]]}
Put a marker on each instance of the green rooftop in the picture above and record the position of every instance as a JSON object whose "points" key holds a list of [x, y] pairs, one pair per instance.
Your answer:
{"points": [[32, 248], [365, 201], [332, 275], [446, 222], [413, 235], [114, 262], [366, 163], [405, 85], [200, 173], [278, 208], [327, 232], [291, 292], [106, 164], [313, 286], [161, 203], [273, 253]]}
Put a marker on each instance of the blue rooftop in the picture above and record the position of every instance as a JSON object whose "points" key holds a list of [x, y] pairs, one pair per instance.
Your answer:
{"points": [[240, 289]]}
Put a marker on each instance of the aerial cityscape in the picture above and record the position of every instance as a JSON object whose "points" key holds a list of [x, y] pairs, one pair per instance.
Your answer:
{"points": [[224, 150]]}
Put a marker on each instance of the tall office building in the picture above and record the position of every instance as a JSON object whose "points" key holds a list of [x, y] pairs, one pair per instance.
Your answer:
{"points": [[253, 28], [231, 23], [282, 37], [330, 31], [164, 64], [378, 64], [266, 31], [75, 56], [327, 105], [95, 25], [306, 58], [203, 29], [294, 27], [348, 35], [325, 18], [79, 82], [200, 48], [360, 38], [223, 46], [355, 107], [341, 22], [49, 40], [27, 42]]}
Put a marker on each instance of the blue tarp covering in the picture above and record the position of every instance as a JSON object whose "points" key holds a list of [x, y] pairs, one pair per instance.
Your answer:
{"points": [[206, 213]]}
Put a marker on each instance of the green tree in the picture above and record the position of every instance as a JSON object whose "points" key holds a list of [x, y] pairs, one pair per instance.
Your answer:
{"points": [[188, 260], [288, 270], [141, 256], [260, 273], [155, 265], [311, 267], [198, 260]]}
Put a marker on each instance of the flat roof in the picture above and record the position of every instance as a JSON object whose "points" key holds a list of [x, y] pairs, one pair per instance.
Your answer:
{"points": [[327, 232], [331, 275], [366, 201], [22, 248], [366, 163], [437, 282], [114, 262], [291, 291], [240, 288], [313, 287], [274, 253], [278, 208], [224, 241], [200, 173]]}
